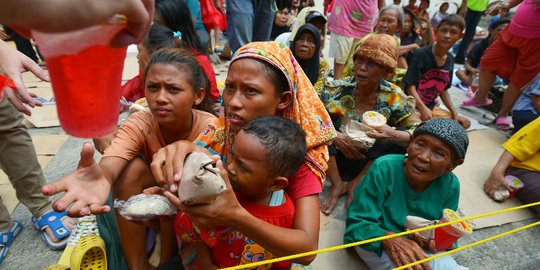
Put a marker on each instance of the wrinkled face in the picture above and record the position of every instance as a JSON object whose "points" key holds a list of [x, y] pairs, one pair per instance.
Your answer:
{"points": [[447, 35], [428, 158], [282, 17], [248, 93], [247, 166], [169, 94], [305, 45], [143, 56], [407, 23], [367, 72], [388, 22]]}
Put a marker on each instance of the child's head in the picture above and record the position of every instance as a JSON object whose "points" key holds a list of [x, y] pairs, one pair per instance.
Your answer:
{"points": [[175, 14], [174, 84], [158, 37], [266, 152], [450, 30]]}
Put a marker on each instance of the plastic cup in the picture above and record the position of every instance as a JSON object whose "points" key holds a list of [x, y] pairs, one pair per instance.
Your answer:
{"points": [[445, 236], [86, 76], [514, 183]]}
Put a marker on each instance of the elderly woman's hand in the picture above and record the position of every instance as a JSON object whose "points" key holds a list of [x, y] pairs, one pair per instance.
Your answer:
{"points": [[403, 251], [348, 147], [389, 133]]}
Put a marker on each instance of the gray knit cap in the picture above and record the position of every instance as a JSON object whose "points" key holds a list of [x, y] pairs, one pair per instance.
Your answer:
{"points": [[447, 130]]}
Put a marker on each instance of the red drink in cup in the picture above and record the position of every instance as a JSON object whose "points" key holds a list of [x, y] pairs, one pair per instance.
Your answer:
{"points": [[86, 75], [445, 236]]}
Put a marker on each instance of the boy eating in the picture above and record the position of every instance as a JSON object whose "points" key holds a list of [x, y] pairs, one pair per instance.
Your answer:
{"points": [[265, 153]]}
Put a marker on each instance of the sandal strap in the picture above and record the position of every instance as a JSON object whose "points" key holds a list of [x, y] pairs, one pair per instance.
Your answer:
{"points": [[7, 237], [53, 220]]}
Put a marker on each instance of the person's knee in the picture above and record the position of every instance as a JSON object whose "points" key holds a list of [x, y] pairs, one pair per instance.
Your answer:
{"points": [[133, 176]]}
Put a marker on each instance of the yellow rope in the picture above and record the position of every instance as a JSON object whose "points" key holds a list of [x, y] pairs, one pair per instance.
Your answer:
{"points": [[344, 246], [468, 246]]}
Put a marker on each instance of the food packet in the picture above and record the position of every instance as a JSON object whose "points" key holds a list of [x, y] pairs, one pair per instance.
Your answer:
{"points": [[201, 183], [357, 132], [145, 206]]}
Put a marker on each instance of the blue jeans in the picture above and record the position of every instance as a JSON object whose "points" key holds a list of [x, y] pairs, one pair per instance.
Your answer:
{"points": [[248, 20], [471, 21]]}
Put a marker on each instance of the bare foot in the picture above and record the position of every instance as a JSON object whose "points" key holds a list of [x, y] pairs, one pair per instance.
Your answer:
{"points": [[328, 204]]}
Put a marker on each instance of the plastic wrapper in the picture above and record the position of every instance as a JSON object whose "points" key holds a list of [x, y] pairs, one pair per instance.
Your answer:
{"points": [[357, 132], [145, 206], [201, 183]]}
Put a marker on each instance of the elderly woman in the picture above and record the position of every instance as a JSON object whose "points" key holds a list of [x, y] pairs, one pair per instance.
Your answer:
{"points": [[420, 183], [305, 48], [348, 99]]}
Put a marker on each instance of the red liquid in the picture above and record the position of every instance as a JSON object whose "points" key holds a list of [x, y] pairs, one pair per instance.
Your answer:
{"points": [[87, 90]]}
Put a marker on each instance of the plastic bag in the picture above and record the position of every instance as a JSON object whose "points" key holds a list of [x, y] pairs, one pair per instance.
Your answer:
{"points": [[357, 132], [201, 183], [145, 206]]}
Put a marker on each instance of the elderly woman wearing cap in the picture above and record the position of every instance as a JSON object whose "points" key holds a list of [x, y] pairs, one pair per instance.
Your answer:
{"points": [[419, 183], [348, 99]]}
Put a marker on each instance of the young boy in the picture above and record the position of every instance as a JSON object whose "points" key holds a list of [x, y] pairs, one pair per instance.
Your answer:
{"points": [[430, 70], [266, 152]]}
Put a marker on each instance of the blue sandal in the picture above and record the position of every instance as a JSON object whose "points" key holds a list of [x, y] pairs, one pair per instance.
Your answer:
{"points": [[6, 238], [53, 220]]}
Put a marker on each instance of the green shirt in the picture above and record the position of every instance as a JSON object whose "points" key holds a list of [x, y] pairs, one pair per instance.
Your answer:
{"points": [[477, 5], [383, 199]]}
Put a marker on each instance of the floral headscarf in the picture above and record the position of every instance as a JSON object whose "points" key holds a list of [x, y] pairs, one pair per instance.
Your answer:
{"points": [[306, 108]]}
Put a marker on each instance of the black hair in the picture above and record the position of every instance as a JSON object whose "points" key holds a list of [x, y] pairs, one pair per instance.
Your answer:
{"points": [[498, 22], [453, 20], [276, 77], [185, 60], [160, 36], [281, 4], [175, 14], [285, 143]]}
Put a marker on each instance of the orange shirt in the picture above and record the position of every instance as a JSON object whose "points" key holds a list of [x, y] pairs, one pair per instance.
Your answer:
{"points": [[140, 133]]}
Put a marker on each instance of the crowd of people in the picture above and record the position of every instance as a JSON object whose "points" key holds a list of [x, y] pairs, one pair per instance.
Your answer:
{"points": [[281, 124]]}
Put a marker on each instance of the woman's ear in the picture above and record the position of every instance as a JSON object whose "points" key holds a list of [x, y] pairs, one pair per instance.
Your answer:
{"points": [[285, 100], [280, 183], [453, 165], [199, 96]]}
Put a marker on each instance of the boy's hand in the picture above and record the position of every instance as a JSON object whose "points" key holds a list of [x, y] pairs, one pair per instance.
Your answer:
{"points": [[425, 114]]}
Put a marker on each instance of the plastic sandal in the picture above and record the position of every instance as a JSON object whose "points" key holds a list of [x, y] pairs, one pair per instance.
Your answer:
{"points": [[53, 220], [503, 123], [89, 254], [6, 238], [470, 102]]}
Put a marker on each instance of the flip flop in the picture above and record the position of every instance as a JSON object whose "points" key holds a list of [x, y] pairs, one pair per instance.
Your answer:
{"points": [[53, 220], [6, 238], [470, 102], [503, 123]]}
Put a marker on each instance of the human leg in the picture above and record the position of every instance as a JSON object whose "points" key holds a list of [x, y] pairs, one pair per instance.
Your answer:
{"points": [[264, 16], [530, 193], [340, 46], [239, 23], [19, 161], [337, 189], [471, 21], [133, 180]]}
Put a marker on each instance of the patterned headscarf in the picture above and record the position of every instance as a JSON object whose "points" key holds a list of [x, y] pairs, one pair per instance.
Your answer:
{"points": [[306, 108], [448, 131]]}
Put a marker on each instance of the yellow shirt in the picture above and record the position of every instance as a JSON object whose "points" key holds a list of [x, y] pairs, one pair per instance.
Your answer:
{"points": [[525, 147]]}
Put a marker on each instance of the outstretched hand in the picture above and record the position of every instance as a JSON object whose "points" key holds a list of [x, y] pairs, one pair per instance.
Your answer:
{"points": [[222, 212], [86, 189], [14, 64]]}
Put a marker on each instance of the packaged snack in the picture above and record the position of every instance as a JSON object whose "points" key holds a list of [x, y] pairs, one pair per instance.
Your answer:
{"points": [[200, 183], [145, 206], [357, 132]]}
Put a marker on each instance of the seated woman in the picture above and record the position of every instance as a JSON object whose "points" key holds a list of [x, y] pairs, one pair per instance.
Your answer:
{"points": [[282, 19], [349, 98], [521, 159], [410, 39], [420, 183], [305, 48], [390, 22]]}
